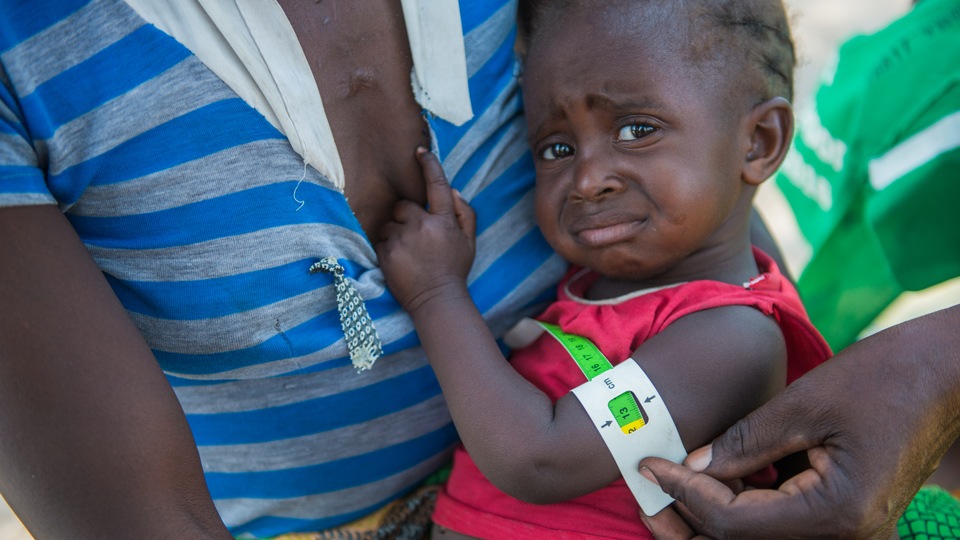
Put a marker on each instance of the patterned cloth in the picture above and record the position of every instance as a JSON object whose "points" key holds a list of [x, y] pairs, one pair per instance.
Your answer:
{"points": [[934, 514], [362, 339], [407, 518]]}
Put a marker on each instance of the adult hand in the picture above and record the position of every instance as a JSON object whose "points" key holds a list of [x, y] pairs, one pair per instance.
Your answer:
{"points": [[425, 251], [874, 422]]}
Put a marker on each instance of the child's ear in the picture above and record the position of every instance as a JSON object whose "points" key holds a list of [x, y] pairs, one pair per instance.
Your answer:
{"points": [[770, 125]]}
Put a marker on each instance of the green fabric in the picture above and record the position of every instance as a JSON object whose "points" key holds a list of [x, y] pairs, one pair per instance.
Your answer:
{"points": [[870, 244], [933, 514], [440, 476]]}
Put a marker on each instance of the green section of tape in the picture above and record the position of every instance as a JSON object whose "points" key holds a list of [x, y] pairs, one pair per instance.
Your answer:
{"points": [[588, 357], [625, 407], [626, 410]]}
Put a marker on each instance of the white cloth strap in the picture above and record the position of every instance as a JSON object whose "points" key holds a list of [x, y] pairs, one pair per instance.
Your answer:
{"points": [[439, 75], [251, 46]]}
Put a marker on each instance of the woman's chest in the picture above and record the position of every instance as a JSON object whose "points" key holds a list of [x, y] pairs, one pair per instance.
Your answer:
{"points": [[361, 61]]}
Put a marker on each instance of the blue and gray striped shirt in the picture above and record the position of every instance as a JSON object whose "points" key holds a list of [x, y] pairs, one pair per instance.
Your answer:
{"points": [[183, 194]]}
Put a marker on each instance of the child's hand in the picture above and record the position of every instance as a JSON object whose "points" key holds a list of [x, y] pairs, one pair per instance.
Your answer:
{"points": [[426, 254]]}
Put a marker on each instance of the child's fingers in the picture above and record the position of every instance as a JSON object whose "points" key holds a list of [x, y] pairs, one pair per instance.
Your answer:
{"points": [[439, 194], [405, 211], [466, 215], [388, 231]]}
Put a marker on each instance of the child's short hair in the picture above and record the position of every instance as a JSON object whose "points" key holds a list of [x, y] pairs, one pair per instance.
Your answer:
{"points": [[752, 33]]}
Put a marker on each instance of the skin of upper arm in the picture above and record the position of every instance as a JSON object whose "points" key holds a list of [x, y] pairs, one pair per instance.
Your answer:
{"points": [[711, 369], [95, 444], [715, 366]]}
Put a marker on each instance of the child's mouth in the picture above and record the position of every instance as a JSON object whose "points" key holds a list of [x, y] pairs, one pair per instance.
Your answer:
{"points": [[604, 234]]}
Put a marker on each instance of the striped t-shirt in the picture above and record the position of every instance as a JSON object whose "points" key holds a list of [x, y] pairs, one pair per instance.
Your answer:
{"points": [[188, 199]]}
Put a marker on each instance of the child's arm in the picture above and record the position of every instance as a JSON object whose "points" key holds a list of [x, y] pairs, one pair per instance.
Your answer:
{"points": [[711, 367]]}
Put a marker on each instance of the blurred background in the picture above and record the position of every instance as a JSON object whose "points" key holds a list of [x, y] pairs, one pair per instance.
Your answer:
{"points": [[819, 26]]}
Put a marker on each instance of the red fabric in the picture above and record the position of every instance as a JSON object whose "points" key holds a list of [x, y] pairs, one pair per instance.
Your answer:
{"points": [[471, 505]]}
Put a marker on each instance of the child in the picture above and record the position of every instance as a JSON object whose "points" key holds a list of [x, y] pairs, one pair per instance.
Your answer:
{"points": [[651, 125]]}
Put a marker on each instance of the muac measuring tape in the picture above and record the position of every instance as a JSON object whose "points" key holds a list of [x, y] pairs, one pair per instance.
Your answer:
{"points": [[624, 396]]}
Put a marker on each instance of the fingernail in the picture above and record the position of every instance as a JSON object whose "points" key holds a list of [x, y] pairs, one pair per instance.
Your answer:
{"points": [[648, 474], [700, 459], [421, 150]]}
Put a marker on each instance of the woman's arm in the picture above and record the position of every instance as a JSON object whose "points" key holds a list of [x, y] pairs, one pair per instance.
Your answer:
{"points": [[94, 442], [711, 367]]}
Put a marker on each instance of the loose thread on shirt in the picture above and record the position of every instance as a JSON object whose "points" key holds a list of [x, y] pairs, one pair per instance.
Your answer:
{"points": [[302, 178]]}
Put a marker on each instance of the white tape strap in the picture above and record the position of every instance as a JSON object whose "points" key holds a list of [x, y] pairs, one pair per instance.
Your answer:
{"points": [[658, 437]]}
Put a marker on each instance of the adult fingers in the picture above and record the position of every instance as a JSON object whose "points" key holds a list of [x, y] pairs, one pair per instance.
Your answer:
{"points": [[440, 198], [694, 490], [800, 508], [667, 525], [466, 216], [688, 517], [780, 427]]}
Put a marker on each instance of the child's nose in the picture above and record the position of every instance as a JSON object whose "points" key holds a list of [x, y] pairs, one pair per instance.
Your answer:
{"points": [[595, 179]]}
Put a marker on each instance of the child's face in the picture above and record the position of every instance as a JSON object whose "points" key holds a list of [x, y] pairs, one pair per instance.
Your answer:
{"points": [[638, 158]]}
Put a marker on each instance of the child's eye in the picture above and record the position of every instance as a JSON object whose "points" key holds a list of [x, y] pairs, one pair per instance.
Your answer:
{"points": [[635, 131], [557, 151]]}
